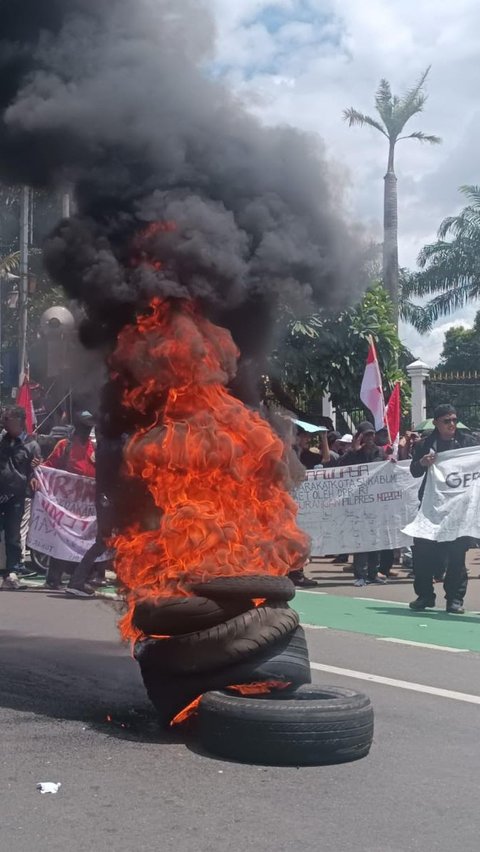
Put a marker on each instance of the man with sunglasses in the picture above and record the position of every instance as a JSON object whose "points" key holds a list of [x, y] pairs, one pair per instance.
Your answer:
{"points": [[431, 557]]}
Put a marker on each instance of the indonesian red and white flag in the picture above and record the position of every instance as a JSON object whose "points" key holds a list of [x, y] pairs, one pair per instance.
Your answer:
{"points": [[392, 417], [24, 398], [371, 392]]}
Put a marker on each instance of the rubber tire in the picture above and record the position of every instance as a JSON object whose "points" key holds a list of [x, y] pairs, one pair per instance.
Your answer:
{"points": [[311, 726], [287, 660], [237, 639], [179, 615], [267, 586]]}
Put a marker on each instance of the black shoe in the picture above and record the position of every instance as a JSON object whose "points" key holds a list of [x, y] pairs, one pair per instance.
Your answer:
{"points": [[54, 587], [305, 583], [80, 591], [455, 607], [422, 603]]}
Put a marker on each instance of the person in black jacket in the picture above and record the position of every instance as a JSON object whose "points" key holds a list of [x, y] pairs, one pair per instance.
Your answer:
{"points": [[19, 454], [432, 557]]}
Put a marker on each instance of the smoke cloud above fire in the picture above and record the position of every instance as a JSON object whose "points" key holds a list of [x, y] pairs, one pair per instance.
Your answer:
{"points": [[115, 98]]}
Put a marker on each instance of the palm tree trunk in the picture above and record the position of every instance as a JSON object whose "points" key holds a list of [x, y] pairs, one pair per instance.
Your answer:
{"points": [[390, 233]]}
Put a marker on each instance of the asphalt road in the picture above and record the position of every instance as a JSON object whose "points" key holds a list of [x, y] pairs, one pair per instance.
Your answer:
{"points": [[128, 788]]}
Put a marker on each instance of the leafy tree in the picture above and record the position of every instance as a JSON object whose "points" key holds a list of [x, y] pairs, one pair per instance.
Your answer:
{"points": [[394, 112], [328, 353], [451, 265], [461, 348]]}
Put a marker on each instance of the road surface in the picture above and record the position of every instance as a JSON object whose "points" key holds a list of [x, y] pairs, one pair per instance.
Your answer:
{"points": [[128, 788]]}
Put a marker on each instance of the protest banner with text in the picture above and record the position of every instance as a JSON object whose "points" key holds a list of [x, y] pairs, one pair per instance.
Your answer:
{"points": [[63, 521], [359, 508], [451, 502]]}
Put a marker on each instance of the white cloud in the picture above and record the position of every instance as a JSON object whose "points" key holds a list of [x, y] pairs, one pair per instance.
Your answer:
{"points": [[304, 61]]}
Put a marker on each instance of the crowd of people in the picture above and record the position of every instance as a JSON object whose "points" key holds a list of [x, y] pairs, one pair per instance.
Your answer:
{"points": [[431, 560], [77, 453], [20, 456]]}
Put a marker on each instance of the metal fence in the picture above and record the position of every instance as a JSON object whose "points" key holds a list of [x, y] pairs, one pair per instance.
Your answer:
{"points": [[461, 389]]}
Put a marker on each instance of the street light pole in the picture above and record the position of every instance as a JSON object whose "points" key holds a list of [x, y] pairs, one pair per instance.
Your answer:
{"points": [[23, 284]]}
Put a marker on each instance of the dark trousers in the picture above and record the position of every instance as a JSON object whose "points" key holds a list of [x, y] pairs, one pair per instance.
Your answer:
{"points": [[86, 568], [11, 514], [365, 565], [386, 561], [430, 557]]}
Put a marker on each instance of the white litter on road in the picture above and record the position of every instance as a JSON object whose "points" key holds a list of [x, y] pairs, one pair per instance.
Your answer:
{"points": [[48, 786]]}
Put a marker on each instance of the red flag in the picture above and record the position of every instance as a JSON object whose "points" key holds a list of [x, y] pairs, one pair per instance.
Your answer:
{"points": [[393, 415], [371, 392], [24, 398]]}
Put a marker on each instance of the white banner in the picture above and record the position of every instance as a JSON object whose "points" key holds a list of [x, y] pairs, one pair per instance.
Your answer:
{"points": [[63, 522], [359, 508], [451, 502]]}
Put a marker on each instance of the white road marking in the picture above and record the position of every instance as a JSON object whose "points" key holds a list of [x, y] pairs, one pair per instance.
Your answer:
{"points": [[310, 592], [379, 600], [314, 626], [423, 645], [400, 684]]}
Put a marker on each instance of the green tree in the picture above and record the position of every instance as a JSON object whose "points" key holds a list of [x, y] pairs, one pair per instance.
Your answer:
{"points": [[451, 266], [328, 353], [394, 112], [461, 348]]}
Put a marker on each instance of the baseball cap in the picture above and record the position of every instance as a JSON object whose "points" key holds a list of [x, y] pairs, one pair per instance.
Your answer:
{"points": [[346, 439]]}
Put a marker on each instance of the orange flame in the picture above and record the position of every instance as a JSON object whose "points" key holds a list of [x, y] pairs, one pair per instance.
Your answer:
{"points": [[215, 468], [260, 688]]}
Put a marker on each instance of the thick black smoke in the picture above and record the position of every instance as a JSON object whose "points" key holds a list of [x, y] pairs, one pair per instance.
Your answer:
{"points": [[115, 98]]}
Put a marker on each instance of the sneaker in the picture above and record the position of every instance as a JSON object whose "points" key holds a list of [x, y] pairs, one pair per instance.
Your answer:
{"points": [[379, 580], [305, 583], [80, 592], [360, 582], [53, 587], [12, 584], [455, 607], [22, 571], [422, 603]]}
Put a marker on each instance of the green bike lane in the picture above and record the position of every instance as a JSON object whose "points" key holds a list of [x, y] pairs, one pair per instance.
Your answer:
{"points": [[389, 620], [371, 617]]}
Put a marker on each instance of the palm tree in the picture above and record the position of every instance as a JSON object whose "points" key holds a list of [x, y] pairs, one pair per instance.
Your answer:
{"points": [[451, 267], [394, 112], [9, 263]]}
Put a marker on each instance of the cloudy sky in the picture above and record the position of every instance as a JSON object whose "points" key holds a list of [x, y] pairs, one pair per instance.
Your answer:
{"points": [[303, 61]]}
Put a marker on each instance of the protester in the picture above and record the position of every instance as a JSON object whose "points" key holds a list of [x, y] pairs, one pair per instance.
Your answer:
{"points": [[77, 453], [308, 457], [73, 455], [382, 439], [19, 454], [310, 460], [406, 445], [333, 439], [364, 451], [344, 444], [109, 456], [432, 557]]}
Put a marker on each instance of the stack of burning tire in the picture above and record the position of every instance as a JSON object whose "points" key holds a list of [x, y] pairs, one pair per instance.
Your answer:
{"points": [[237, 643]]}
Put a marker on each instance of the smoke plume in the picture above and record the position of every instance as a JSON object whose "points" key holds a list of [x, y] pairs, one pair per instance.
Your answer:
{"points": [[117, 99]]}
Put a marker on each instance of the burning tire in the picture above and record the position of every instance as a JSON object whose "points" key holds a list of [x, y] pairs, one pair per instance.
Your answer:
{"points": [[176, 616], [312, 726], [236, 639], [266, 586], [285, 661]]}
